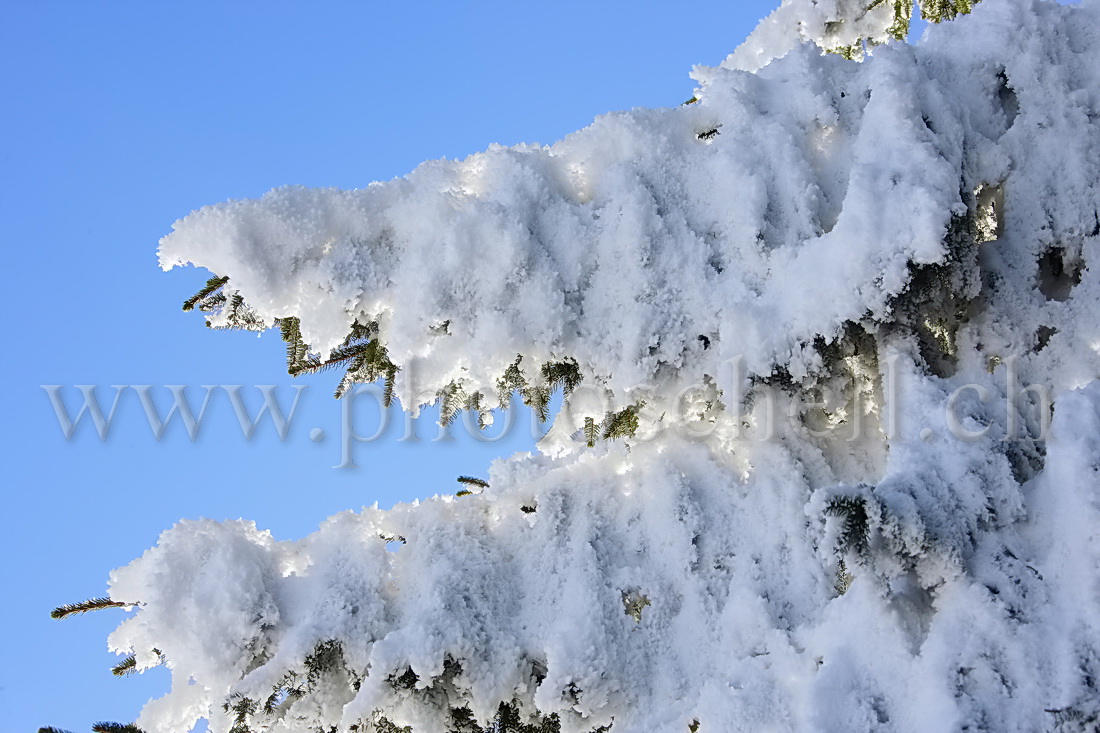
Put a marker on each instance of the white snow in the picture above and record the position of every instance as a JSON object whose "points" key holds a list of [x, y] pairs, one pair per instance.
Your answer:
{"points": [[810, 241]]}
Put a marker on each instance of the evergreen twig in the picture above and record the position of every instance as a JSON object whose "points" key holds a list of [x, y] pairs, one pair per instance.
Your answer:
{"points": [[108, 727], [591, 432], [565, 374], [451, 399], [296, 351], [129, 665], [852, 510], [243, 709], [212, 303], [622, 424], [125, 667], [389, 386], [326, 656], [212, 285], [538, 399], [239, 317], [511, 381], [474, 404], [92, 604]]}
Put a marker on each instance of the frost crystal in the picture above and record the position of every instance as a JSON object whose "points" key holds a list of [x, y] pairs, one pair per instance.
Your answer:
{"points": [[902, 251]]}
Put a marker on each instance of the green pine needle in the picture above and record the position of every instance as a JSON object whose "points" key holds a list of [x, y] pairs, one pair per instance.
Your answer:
{"points": [[51, 729], [452, 397], [326, 656], [129, 665], [106, 727], [538, 399], [565, 374], [212, 285], [212, 303], [933, 11], [474, 403], [125, 667], [284, 694], [390, 386], [239, 317], [92, 604], [936, 11], [472, 481], [511, 381], [622, 424], [296, 351], [855, 532], [591, 432]]}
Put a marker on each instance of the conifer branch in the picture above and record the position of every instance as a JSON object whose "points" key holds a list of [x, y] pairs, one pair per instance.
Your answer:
{"points": [[51, 729], [538, 399], [273, 700], [361, 332], [511, 381], [212, 285], [389, 386], [634, 602], [296, 351], [129, 665], [92, 604], [243, 709], [126, 667], [337, 357], [474, 404], [107, 727], [472, 481], [286, 693], [591, 432], [937, 11], [452, 398], [855, 532], [213, 303], [326, 656], [239, 317], [565, 374], [405, 681], [622, 424], [345, 383], [368, 359]]}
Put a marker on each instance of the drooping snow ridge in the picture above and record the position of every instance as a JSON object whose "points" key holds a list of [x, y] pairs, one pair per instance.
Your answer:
{"points": [[916, 232], [623, 244]]}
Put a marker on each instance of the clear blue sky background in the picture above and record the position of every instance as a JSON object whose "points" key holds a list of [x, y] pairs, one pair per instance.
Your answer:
{"points": [[119, 118]]}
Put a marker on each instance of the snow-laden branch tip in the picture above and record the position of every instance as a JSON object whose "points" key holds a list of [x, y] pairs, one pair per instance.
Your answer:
{"points": [[917, 230]]}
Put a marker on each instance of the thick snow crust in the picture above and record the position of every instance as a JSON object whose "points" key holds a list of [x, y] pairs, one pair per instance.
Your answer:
{"points": [[917, 233]]}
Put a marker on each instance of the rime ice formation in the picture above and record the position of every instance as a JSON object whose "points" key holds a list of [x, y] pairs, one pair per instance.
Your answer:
{"points": [[910, 241]]}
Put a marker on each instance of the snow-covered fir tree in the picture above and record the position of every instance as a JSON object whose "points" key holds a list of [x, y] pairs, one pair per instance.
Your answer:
{"points": [[829, 457]]}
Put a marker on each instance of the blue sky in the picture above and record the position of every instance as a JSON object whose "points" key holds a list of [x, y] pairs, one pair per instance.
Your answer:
{"points": [[119, 118]]}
